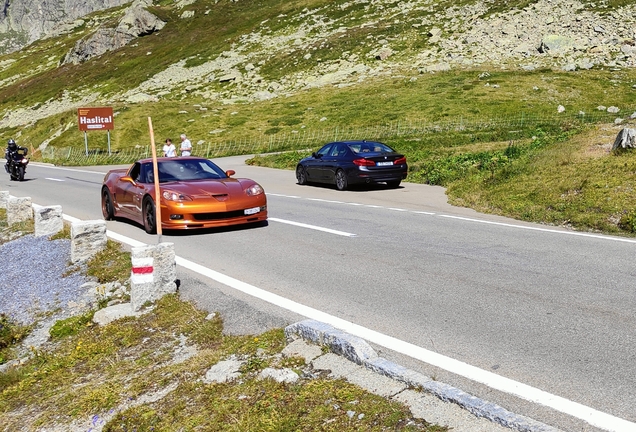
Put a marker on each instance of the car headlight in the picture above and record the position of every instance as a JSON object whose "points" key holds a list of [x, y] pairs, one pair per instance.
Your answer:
{"points": [[174, 196], [254, 190]]}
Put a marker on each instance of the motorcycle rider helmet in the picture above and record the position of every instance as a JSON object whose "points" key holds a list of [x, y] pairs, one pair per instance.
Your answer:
{"points": [[12, 145]]}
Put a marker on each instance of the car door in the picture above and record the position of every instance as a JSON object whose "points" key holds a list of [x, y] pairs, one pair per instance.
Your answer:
{"points": [[314, 165], [333, 161], [127, 191]]}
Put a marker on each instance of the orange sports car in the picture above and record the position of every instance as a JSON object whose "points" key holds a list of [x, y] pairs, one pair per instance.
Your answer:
{"points": [[195, 193]]}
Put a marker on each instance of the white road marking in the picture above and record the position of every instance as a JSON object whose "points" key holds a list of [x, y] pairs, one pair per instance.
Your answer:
{"points": [[619, 239], [314, 227], [590, 415], [574, 233], [324, 200], [72, 169], [53, 179], [285, 196]]}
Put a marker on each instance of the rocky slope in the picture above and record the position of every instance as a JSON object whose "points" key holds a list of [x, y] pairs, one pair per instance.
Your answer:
{"points": [[25, 21], [559, 34]]}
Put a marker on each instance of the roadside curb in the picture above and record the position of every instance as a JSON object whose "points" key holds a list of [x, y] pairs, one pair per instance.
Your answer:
{"points": [[360, 352]]}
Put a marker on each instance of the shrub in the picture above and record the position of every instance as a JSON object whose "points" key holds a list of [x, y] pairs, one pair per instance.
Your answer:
{"points": [[71, 326], [10, 334], [628, 221]]}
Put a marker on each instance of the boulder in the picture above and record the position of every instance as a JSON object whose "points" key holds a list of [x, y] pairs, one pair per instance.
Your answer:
{"points": [[25, 21], [136, 22], [555, 44], [626, 139]]}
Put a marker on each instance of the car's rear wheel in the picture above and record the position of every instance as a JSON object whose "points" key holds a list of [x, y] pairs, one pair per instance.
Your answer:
{"points": [[394, 184], [341, 180], [108, 210], [150, 217], [301, 175]]}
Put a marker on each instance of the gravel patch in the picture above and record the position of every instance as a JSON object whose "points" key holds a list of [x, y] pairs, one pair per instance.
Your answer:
{"points": [[33, 281]]}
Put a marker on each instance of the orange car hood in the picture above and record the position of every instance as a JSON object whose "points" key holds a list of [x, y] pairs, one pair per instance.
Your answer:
{"points": [[209, 188]]}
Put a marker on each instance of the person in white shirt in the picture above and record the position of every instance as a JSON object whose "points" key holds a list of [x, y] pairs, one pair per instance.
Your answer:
{"points": [[169, 150], [186, 146]]}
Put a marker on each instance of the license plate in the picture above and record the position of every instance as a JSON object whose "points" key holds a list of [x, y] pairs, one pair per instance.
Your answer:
{"points": [[252, 211], [384, 163]]}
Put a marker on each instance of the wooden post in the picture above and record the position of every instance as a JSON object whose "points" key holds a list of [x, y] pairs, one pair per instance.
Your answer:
{"points": [[156, 176]]}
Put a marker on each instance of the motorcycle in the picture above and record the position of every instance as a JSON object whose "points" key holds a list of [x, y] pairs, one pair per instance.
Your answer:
{"points": [[17, 163]]}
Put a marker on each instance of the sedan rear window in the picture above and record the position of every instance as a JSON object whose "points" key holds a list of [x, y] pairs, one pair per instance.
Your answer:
{"points": [[370, 147]]}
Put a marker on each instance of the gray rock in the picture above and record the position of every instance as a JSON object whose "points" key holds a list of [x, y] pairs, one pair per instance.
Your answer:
{"points": [[111, 313], [570, 67], [279, 375], [556, 44], [87, 239], [25, 21], [4, 197], [626, 139], [300, 348], [19, 209], [136, 22], [47, 220], [224, 371]]}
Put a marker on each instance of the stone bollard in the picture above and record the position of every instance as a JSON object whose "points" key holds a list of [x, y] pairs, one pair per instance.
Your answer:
{"points": [[48, 220], [19, 210], [87, 239], [4, 197], [153, 274]]}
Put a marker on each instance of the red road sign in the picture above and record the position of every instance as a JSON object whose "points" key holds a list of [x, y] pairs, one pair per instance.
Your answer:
{"points": [[95, 118]]}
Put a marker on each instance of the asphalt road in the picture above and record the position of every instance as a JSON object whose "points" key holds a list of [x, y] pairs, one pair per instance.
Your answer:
{"points": [[540, 305]]}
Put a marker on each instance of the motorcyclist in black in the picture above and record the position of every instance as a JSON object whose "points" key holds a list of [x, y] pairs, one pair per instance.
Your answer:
{"points": [[12, 147]]}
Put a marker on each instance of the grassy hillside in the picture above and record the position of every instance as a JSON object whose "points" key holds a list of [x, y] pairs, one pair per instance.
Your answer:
{"points": [[305, 72]]}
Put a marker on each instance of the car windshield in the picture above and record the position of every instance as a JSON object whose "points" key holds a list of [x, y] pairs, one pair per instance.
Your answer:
{"points": [[370, 147], [185, 170]]}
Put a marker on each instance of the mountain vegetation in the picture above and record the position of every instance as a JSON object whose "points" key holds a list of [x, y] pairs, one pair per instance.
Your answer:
{"points": [[513, 106]]}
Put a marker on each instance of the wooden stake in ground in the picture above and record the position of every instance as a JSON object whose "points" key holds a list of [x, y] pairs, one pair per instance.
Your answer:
{"points": [[156, 177]]}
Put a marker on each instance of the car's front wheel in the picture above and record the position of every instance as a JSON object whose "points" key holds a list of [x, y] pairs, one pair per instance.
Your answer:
{"points": [[301, 175], [150, 218], [108, 210], [341, 180]]}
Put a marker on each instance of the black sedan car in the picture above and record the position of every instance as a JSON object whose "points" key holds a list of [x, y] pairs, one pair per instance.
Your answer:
{"points": [[346, 163]]}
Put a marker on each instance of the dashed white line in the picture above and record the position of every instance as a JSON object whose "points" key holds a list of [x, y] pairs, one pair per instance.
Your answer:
{"points": [[313, 227], [573, 233], [54, 179]]}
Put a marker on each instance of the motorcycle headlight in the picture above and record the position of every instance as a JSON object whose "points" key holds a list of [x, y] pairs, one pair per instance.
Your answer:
{"points": [[254, 190]]}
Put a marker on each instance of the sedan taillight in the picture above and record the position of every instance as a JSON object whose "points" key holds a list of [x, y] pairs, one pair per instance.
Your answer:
{"points": [[363, 162], [400, 161]]}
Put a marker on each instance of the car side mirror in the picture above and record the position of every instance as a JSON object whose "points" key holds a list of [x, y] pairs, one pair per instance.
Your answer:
{"points": [[316, 155], [230, 173], [127, 179]]}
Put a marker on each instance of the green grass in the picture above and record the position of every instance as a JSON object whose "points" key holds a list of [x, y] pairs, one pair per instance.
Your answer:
{"points": [[93, 371], [11, 333], [110, 264], [96, 374]]}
